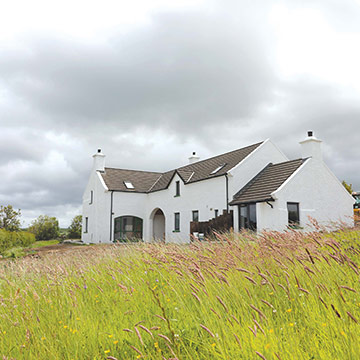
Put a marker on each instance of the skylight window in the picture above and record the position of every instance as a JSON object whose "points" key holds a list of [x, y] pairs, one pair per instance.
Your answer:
{"points": [[217, 169], [129, 185]]}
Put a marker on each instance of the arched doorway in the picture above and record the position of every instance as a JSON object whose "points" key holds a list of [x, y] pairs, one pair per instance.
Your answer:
{"points": [[158, 228]]}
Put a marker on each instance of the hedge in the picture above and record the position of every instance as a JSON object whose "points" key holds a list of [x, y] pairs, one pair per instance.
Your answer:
{"points": [[10, 239]]}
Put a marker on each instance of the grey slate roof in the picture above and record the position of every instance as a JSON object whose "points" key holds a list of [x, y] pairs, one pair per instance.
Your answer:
{"points": [[142, 180], [202, 169], [267, 181], [145, 181]]}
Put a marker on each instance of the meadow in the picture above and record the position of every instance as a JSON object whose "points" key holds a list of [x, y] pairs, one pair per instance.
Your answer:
{"points": [[278, 296]]}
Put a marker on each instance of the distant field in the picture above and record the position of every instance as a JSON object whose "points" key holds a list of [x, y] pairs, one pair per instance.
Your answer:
{"points": [[283, 296]]}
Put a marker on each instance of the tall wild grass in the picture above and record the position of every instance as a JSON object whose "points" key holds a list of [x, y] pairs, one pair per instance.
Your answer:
{"points": [[279, 296]]}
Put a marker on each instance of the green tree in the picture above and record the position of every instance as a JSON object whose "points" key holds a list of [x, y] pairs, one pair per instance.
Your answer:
{"points": [[74, 231], [9, 218], [45, 227], [348, 187]]}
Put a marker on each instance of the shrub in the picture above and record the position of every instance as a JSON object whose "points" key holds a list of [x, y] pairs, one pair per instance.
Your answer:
{"points": [[45, 227], [10, 239]]}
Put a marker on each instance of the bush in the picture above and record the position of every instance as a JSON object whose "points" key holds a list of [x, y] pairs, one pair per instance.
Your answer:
{"points": [[45, 228], [10, 239]]}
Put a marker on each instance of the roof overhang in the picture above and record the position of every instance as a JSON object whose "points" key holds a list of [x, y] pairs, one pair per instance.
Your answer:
{"points": [[242, 202]]}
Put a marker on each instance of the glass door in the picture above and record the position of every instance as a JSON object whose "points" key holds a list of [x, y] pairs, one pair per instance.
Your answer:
{"points": [[128, 228], [247, 216]]}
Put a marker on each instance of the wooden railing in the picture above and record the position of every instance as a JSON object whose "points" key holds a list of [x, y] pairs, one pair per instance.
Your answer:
{"points": [[202, 229]]}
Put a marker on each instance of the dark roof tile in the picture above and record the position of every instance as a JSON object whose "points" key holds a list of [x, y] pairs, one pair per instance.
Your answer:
{"points": [[266, 182], [142, 180], [202, 169], [145, 181]]}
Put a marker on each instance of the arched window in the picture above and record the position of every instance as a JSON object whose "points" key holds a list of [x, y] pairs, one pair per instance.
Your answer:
{"points": [[128, 228]]}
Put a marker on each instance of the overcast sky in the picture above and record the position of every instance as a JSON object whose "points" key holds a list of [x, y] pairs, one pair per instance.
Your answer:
{"points": [[149, 82]]}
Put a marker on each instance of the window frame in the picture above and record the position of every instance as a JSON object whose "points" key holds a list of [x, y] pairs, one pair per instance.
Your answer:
{"points": [[129, 185], [245, 214], [195, 212], [177, 222], [86, 225], [293, 224], [128, 224], [91, 197], [177, 188]]}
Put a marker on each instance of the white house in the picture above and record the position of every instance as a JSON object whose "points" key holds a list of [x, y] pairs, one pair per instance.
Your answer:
{"points": [[265, 190]]}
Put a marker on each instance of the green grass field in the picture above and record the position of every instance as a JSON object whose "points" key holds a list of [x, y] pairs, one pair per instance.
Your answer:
{"points": [[281, 296]]}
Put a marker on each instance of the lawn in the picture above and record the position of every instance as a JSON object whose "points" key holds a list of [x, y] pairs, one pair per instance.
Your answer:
{"points": [[279, 296], [38, 244]]}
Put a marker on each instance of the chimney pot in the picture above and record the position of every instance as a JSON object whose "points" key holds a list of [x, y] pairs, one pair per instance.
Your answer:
{"points": [[310, 133], [193, 158], [99, 150]]}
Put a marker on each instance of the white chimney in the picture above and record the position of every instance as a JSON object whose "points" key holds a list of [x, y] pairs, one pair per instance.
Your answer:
{"points": [[193, 158], [311, 147], [99, 161]]}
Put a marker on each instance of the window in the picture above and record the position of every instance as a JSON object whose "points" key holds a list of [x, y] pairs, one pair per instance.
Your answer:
{"points": [[128, 227], [177, 222], [177, 189], [129, 185], [247, 216], [217, 169], [91, 197], [86, 224], [216, 213], [293, 214], [195, 215]]}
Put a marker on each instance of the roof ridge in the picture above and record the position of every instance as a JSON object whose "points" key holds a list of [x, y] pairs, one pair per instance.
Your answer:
{"points": [[144, 171], [198, 171], [157, 180], [215, 156], [288, 161], [184, 166]]}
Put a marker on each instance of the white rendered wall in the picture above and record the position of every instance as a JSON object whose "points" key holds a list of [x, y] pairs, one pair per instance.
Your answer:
{"points": [[247, 169], [242, 173], [131, 204], [98, 213], [319, 193], [204, 196]]}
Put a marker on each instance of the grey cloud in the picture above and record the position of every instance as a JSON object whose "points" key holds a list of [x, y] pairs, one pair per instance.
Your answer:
{"points": [[191, 81], [334, 117], [343, 15], [185, 69]]}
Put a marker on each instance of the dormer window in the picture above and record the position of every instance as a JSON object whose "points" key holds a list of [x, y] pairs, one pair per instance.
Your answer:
{"points": [[217, 169], [129, 185]]}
